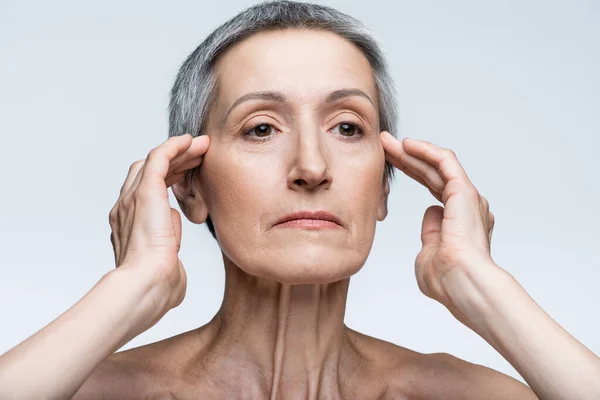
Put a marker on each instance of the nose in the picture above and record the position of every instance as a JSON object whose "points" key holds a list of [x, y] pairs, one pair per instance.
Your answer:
{"points": [[310, 167]]}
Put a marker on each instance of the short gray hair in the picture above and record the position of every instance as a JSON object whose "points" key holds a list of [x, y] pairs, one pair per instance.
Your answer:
{"points": [[195, 86]]}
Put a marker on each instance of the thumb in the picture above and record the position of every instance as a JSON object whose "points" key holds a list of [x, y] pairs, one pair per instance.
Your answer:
{"points": [[432, 225], [176, 218]]}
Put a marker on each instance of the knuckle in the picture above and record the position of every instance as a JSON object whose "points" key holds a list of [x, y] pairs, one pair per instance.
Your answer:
{"points": [[449, 153], [134, 197], [484, 201], [155, 152], [135, 165], [112, 216], [127, 200]]}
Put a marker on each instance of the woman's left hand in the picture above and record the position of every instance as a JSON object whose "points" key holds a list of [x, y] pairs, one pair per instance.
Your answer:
{"points": [[456, 238], [455, 268]]}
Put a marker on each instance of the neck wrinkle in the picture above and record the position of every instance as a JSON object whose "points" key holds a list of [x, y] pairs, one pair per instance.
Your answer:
{"points": [[288, 339]]}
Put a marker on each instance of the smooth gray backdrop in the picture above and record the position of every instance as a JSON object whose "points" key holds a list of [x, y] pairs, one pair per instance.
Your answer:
{"points": [[512, 87]]}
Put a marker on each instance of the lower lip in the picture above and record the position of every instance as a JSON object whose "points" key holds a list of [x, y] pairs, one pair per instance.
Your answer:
{"points": [[309, 224]]}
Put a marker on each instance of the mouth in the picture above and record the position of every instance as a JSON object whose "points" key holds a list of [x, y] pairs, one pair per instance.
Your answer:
{"points": [[310, 220]]}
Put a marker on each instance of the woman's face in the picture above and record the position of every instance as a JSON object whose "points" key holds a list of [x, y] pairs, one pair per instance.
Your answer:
{"points": [[297, 148]]}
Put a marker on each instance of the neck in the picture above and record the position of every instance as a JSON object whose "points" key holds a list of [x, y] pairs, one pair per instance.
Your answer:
{"points": [[287, 337]]}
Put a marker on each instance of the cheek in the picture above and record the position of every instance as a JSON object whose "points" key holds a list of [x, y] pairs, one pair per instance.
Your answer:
{"points": [[361, 176], [236, 189]]}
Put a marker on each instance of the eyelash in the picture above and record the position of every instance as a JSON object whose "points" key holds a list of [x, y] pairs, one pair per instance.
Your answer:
{"points": [[360, 133]]}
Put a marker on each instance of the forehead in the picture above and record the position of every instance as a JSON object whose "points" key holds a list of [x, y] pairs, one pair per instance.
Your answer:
{"points": [[305, 65]]}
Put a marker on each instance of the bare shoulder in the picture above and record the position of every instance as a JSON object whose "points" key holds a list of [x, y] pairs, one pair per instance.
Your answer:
{"points": [[134, 373], [113, 380], [414, 375], [444, 376]]}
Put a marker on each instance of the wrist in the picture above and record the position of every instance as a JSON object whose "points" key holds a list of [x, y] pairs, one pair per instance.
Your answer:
{"points": [[473, 293], [147, 299]]}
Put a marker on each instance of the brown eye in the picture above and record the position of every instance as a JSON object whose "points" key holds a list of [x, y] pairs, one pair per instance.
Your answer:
{"points": [[260, 130], [349, 130]]}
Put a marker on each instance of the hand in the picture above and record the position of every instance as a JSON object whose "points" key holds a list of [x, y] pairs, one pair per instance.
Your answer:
{"points": [[455, 268], [146, 231], [456, 237]]}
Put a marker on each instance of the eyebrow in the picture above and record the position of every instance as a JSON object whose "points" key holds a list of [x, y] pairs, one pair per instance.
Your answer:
{"points": [[279, 97]]}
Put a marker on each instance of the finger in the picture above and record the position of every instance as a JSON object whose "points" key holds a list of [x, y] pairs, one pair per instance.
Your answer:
{"points": [[491, 222], [423, 169], [444, 160], [191, 157], [176, 176], [158, 162], [171, 180], [459, 190], [176, 218], [152, 188], [488, 217], [195, 155], [134, 169], [431, 226], [420, 170], [183, 167], [115, 250], [393, 149], [175, 144]]}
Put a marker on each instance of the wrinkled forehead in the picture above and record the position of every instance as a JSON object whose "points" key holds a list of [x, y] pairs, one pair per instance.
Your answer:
{"points": [[304, 65]]}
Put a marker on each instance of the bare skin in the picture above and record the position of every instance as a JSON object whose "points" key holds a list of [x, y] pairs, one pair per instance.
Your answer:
{"points": [[279, 333], [375, 369], [280, 327]]}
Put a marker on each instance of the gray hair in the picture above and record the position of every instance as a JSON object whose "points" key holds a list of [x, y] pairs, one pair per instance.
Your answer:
{"points": [[196, 84]]}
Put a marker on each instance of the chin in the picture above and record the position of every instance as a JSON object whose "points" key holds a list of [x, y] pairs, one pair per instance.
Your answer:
{"points": [[299, 257], [305, 265]]}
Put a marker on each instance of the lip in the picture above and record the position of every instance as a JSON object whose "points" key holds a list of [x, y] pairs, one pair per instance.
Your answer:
{"points": [[309, 217]]}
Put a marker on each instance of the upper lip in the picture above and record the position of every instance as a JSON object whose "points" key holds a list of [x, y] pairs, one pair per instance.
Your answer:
{"points": [[307, 214]]}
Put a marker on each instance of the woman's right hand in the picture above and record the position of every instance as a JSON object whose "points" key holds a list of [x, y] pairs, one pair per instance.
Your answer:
{"points": [[146, 231], [149, 281]]}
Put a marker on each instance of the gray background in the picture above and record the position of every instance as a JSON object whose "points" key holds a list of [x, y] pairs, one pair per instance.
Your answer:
{"points": [[511, 87]]}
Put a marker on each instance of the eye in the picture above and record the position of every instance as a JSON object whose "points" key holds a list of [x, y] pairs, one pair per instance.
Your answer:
{"points": [[350, 130], [263, 131], [260, 130]]}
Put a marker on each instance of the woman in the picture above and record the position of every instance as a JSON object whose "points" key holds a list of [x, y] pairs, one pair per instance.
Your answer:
{"points": [[288, 161]]}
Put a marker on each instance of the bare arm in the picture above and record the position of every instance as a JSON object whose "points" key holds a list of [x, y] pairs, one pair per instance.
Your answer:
{"points": [[554, 363], [455, 267], [55, 361], [149, 281]]}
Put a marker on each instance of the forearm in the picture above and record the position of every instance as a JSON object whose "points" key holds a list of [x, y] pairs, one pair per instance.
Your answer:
{"points": [[554, 363], [56, 361]]}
